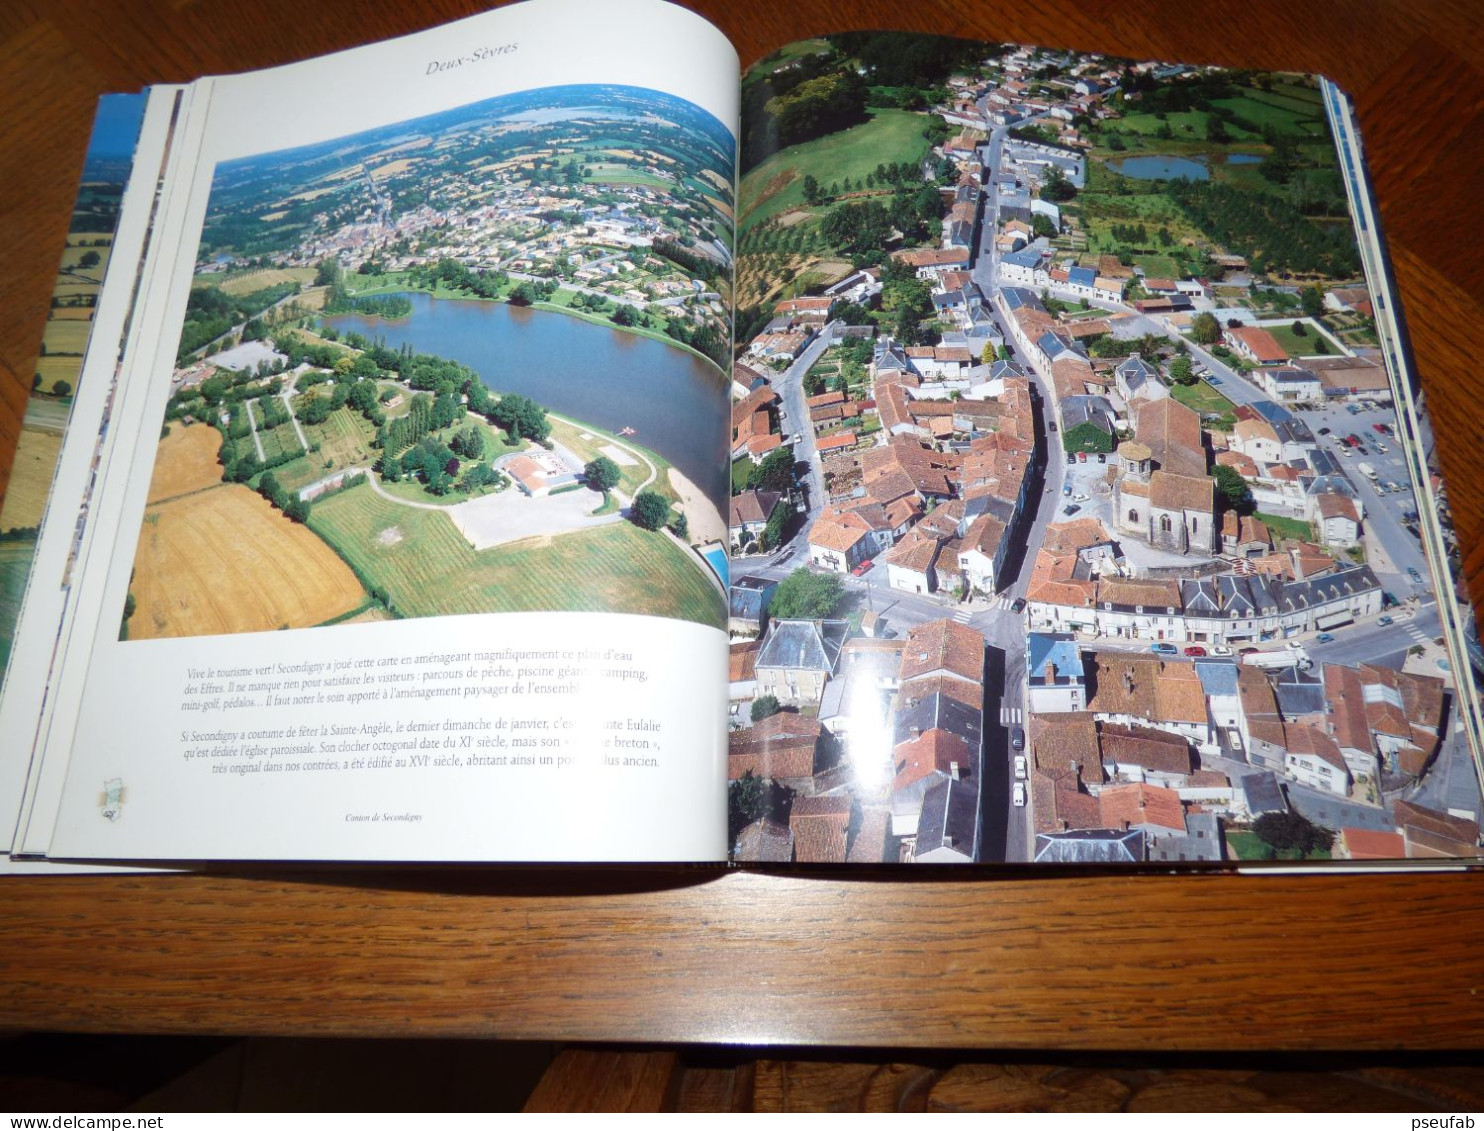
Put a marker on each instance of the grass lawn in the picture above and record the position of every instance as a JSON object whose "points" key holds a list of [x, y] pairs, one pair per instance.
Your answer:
{"points": [[412, 490], [741, 468], [1158, 266], [1243, 845], [1204, 399], [1282, 527], [630, 476], [429, 570], [777, 184], [1302, 346]]}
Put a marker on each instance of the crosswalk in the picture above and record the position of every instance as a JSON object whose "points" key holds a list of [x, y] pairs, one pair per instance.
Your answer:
{"points": [[962, 615], [1011, 716], [1417, 635]]}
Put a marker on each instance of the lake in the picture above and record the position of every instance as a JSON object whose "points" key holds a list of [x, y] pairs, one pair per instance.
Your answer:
{"points": [[1243, 159], [1158, 167], [678, 404]]}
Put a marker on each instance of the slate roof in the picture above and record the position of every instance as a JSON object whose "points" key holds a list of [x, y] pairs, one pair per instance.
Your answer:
{"points": [[949, 818], [1059, 650], [1091, 846], [1263, 793], [936, 712], [803, 645]]}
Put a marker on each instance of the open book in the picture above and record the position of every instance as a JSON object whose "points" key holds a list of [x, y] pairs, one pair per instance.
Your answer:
{"points": [[530, 441]]}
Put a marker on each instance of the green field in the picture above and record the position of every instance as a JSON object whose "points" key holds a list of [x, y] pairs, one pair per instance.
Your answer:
{"points": [[1205, 399], [54, 369], [786, 54], [1305, 346], [630, 477], [1282, 527], [777, 185], [15, 565], [1158, 266], [431, 571]]}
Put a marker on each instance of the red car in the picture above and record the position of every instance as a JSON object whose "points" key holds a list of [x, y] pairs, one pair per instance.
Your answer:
{"points": [[1195, 650], [1354, 440], [864, 567]]}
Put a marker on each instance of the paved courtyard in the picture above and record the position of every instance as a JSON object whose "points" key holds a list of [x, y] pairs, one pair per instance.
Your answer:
{"points": [[511, 515]]}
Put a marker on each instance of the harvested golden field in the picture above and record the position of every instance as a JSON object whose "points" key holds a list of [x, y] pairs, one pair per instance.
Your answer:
{"points": [[72, 313], [65, 336], [54, 369], [392, 168], [224, 561], [185, 461], [30, 478], [266, 277]]}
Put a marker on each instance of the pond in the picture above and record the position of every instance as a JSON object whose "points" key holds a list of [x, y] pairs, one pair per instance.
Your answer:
{"points": [[1161, 167]]}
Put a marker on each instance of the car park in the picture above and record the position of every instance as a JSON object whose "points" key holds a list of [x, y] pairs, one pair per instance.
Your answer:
{"points": [[1195, 650], [1325, 638], [1020, 767], [1161, 648], [1019, 795]]}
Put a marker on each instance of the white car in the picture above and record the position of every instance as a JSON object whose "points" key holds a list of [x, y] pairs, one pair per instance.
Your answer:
{"points": [[1020, 767], [1019, 795], [1220, 650]]}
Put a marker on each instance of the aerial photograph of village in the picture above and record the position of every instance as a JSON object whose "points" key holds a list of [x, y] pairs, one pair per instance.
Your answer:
{"points": [[474, 362], [1072, 520]]}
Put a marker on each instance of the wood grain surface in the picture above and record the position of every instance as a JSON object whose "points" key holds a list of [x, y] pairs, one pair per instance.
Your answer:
{"points": [[1013, 961]]}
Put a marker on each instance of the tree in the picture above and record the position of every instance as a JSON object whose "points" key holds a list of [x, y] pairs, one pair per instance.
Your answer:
{"points": [[1287, 830], [1298, 330], [1041, 225], [1205, 329], [601, 474], [1056, 186], [681, 526], [775, 473], [1181, 371], [61, 388], [806, 595], [764, 706], [812, 193], [89, 259], [1235, 489], [650, 510], [523, 295], [521, 416], [1311, 299], [773, 532]]}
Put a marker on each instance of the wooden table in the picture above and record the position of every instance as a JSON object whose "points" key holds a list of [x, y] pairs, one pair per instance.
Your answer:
{"points": [[989, 960]]}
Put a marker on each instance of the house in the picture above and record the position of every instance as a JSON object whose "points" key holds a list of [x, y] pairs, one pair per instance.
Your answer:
{"points": [[909, 564], [798, 657], [1091, 846], [1086, 424], [765, 841], [1339, 524], [1135, 379], [948, 825], [780, 747], [749, 600], [1150, 808], [750, 512], [838, 540], [1054, 674], [820, 827], [1256, 345], [1200, 840], [742, 674], [1288, 384]]}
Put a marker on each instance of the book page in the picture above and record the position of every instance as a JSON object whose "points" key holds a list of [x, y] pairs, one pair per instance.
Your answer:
{"points": [[420, 469], [1083, 509]]}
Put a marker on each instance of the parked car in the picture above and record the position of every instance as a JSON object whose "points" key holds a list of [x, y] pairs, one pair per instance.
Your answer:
{"points": [[1361, 449], [1220, 650], [1248, 651], [1081, 457], [1066, 489], [864, 567], [1382, 448], [1019, 795], [1354, 440], [1352, 409], [1323, 432], [1194, 650], [1052, 426], [1325, 638], [1414, 575], [1160, 647], [1079, 498], [1070, 510], [1102, 457], [1386, 620], [1017, 738], [1020, 767], [1071, 457], [1017, 605], [1381, 428]]}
